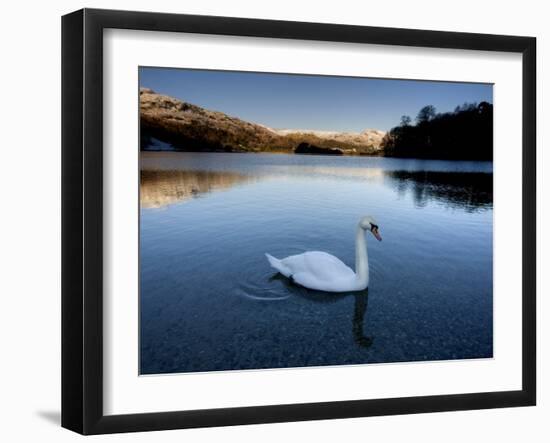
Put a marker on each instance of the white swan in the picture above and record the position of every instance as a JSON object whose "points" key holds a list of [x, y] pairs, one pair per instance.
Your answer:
{"points": [[324, 272]]}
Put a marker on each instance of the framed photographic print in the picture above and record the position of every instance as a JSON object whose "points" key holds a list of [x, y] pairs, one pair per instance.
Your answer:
{"points": [[269, 221]]}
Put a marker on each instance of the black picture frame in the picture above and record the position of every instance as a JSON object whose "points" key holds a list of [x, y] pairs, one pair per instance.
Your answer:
{"points": [[82, 220]]}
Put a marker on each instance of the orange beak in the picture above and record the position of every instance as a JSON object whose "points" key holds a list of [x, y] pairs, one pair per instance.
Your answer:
{"points": [[376, 234]]}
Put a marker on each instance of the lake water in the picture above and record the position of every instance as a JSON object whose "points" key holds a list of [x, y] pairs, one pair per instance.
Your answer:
{"points": [[210, 301]]}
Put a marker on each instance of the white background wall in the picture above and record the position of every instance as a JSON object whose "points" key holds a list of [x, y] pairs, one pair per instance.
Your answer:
{"points": [[30, 219]]}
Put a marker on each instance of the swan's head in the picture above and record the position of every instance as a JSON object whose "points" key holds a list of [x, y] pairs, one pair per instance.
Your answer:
{"points": [[368, 223]]}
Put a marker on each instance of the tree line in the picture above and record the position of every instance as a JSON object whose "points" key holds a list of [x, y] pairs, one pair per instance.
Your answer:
{"points": [[464, 134]]}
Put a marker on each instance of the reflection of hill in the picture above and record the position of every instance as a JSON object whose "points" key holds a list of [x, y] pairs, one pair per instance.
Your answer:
{"points": [[469, 190], [162, 188], [337, 173]]}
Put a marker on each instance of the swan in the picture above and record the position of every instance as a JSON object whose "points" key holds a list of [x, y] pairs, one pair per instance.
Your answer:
{"points": [[325, 272]]}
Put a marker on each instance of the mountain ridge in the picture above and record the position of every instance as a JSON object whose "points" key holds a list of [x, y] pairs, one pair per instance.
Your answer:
{"points": [[173, 124]]}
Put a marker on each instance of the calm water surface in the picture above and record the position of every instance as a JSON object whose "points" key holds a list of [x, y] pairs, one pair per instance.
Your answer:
{"points": [[209, 300]]}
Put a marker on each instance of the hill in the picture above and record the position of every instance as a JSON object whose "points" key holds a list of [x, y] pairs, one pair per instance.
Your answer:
{"points": [[171, 124]]}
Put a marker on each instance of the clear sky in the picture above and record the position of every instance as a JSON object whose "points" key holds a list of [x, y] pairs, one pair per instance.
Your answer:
{"points": [[286, 101]]}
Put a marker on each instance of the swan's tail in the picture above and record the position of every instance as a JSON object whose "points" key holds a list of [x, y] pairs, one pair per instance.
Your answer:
{"points": [[277, 264], [274, 262]]}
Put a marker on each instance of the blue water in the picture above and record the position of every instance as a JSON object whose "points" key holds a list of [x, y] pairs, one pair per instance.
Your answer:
{"points": [[209, 300]]}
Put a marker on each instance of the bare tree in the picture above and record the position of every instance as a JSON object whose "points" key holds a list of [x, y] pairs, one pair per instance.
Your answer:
{"points": [[425, 114]]}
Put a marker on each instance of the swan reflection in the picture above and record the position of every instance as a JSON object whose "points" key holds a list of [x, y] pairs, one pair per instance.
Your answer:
{"points": [[361, 301]]}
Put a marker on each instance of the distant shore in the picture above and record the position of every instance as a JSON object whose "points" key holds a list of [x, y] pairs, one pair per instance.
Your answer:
{"points": [[169, 124], [155, 145]]}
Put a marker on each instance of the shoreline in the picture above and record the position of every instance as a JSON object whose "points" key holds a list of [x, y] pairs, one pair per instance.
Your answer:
{"points": [[319, 155]]}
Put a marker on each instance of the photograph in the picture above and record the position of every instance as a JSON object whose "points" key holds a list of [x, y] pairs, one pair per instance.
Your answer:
{"points": [[293, 220]]}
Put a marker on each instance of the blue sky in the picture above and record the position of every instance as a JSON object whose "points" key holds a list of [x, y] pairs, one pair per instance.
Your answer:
{"points": [[286, 101]]}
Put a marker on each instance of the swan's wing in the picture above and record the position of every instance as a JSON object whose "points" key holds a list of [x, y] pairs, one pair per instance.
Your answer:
{"points": [[318, 266]]}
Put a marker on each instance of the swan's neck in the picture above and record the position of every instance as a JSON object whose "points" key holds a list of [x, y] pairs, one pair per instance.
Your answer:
{"points": [[361, 257]]}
